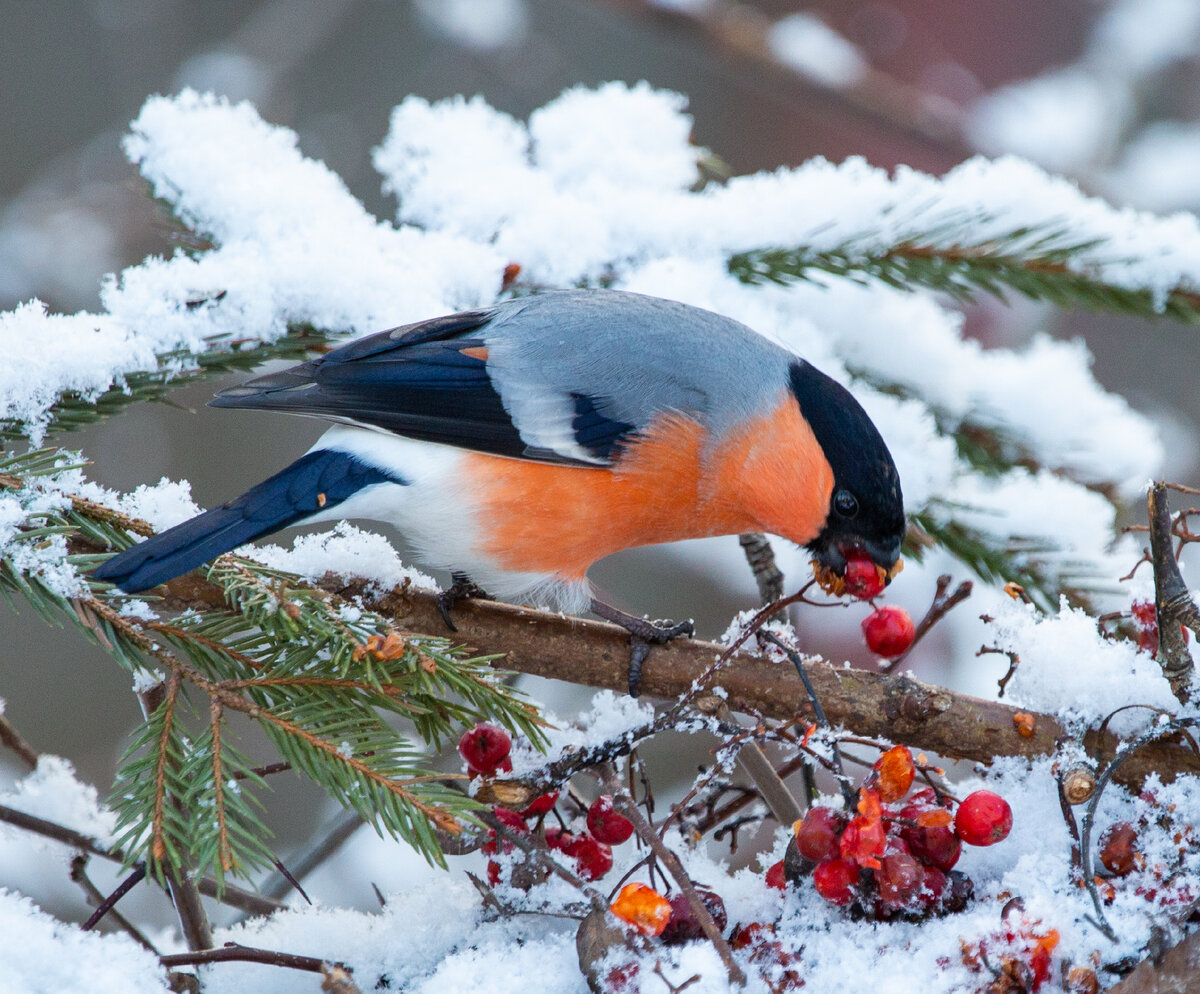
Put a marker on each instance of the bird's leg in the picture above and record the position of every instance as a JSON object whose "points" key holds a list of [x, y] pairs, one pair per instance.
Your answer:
{"points": [[460, 589], [642, 635]]}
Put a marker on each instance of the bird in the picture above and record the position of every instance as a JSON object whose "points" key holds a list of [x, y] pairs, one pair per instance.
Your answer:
{"points": [[516, 444]]}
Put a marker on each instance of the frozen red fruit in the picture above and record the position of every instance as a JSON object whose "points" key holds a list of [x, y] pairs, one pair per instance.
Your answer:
{"points": [[896, 771], [898, 878], [983, 819], [558, 838], [935, 846], [776, 877], [836, 880], [1118, 849], [933, 886], [863, 579], [642, 907], [485, 747], [540, 805], [606, 823], [684, 926], [818, 832], [889, 631], [509, 819], [592, 857]]}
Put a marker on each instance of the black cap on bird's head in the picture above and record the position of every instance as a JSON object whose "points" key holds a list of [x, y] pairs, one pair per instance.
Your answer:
{"points": [[866, 507]]}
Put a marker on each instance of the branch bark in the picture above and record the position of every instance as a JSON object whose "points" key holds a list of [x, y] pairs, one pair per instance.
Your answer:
{"points": [[893, 706], [594, 653], [1173, 600]]}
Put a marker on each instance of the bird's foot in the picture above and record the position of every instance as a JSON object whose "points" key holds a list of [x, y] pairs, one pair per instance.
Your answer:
{"points": [[642, 635], [462, 588]]}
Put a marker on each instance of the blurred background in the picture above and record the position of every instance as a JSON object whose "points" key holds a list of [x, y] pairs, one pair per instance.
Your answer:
{"points": [[1104, 92]]}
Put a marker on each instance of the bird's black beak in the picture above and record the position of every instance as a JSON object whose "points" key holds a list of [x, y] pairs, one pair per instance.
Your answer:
{"points": [[831, 552]]}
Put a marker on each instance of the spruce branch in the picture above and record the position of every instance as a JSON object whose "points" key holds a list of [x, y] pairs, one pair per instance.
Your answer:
{"points": [[222, 354], [1043, 263], [289, 656]]}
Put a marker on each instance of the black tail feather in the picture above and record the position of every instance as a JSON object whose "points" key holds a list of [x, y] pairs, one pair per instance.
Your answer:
{"points": [[315, 482]]}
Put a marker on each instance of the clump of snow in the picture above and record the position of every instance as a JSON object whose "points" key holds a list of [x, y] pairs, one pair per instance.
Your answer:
{"points": [[1068, 668], [53, 792], [40, 953], [813, 48], [347, 551], [612, 716]]}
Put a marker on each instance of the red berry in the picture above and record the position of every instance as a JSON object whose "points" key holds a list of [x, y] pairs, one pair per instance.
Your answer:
{"points": [[863, 578], [509, 819], [889, 630], [1145, 622], [836, 880], [898, 878], [504, 766], [775, 876], [684, 926], [606, 824], [540, 805], [1118, 848], [983, 819], [592, 858], [938, 846], [817, 834], [933, 886], [485, 747], [493, 872], [558, 838]]}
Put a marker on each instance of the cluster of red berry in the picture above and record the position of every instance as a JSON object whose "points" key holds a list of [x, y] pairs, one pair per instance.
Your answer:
{"points": [[486, 750], [893, 856]]}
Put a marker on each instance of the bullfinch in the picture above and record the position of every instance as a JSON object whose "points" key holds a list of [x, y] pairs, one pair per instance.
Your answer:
{"points": [[519, 443]]}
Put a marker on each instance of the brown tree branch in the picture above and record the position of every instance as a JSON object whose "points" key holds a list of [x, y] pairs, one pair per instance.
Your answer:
{"points": [[877, 705], [1173, 601]]}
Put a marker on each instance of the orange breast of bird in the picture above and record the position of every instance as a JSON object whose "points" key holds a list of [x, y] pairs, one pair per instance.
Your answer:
{"points": [[672, 482]]}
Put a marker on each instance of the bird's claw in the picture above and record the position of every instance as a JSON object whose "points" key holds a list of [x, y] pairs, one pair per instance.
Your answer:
{"points": [[642, 635], [462, 588]]}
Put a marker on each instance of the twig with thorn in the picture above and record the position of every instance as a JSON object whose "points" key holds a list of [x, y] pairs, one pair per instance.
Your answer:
{"points": [[1013, 662], [942, 603], [15, 742], [105, 905], [819, 712]]}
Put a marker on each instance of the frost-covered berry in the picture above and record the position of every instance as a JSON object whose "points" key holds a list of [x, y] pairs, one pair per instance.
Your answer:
{"points": [[1118, 848], [898, 878], [776, 877], [540, 805], [485, 747], [606, 823], [889, 631], [818, 832], [684, 926], [836, 880], [592, 857], [983, 819]]}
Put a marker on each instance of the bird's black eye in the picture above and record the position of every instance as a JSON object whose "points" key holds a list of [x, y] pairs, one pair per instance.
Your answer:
{"points": [[845, 503]]}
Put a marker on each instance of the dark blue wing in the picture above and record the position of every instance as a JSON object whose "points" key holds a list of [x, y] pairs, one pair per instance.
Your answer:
{"points": [[316, 482], [428, 381]]}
